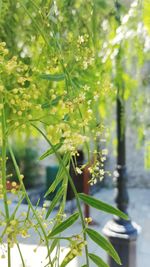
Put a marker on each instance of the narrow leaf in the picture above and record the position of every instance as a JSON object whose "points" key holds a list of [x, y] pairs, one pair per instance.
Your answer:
{"points": [[59, 175], [95, 203], [103, 243], [64, 225], [50, 151], [97, 260], [51, 103], [54, 244], [54, 202], [53, 77]]}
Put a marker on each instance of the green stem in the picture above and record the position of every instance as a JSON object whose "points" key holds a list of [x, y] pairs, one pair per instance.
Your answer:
{"points": [[29, 202], [73, 188], [84, 132], [61, 211], [4, 144], [20, 253], [12, 217], [65, 186], [4, 147]]}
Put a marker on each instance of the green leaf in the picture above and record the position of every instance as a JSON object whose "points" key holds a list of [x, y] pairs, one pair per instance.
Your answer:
{"points": [[95, 203], [54, 243], [59, 175], [64, 225], [50, 151], [146, 12], [97, 260], [53, 77], [51, 103], [54, 202], [66, 117], [69, 257], [103, 243]]}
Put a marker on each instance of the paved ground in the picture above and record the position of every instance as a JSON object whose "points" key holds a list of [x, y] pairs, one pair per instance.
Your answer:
{"points": [[139, 211]]}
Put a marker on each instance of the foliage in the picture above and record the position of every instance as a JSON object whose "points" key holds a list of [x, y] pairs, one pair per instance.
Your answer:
{"points": [[61, 66]]}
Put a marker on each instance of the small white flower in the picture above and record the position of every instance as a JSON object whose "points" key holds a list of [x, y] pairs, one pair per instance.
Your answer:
{"points": [[78, 170]]}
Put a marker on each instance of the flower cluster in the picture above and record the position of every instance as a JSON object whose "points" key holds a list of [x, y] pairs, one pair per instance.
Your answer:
{"points": [[97, 170], [19, 94], [14, 229], [75, 250]]}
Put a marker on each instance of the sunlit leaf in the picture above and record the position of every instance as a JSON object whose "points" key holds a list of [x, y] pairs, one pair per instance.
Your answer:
{"points": [[95, 203], [64, 225], [59, 175], [53, 245], [103, 243], [50, 151], [54, 202], [51, 103], [97, 260], [146, 12], [53, 77]]}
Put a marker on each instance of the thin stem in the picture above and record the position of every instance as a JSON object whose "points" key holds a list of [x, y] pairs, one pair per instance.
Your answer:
{"points": [[12, 217], [65, 186], [4, 146], [23, 263], [29, 202], [61, 211], [84, 132], [73, 188]]}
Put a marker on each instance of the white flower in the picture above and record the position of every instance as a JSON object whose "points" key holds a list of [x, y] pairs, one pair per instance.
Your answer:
{"points": [[125, 19], [78, 170]]}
